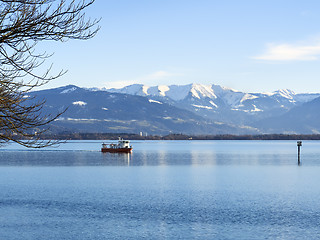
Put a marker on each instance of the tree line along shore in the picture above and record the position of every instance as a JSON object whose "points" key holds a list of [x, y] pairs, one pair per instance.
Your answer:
{"points": [[132, 136]]}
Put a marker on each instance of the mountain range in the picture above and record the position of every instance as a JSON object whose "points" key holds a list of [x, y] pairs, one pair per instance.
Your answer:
{"points": [[220, 103], [188, 109]]}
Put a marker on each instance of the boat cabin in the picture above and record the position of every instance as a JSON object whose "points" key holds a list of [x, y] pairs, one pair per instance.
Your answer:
{"points": [[121, 146]]}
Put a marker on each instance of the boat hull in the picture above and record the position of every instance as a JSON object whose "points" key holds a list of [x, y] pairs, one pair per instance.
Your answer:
{"points": [[117, 150]]}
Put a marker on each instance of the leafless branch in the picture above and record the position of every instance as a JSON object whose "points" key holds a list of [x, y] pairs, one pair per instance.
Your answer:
{"points": [[23, 24]]}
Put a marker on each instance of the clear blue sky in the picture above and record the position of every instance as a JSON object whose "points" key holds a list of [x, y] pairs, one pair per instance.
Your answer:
{"points": [[254, 46]]}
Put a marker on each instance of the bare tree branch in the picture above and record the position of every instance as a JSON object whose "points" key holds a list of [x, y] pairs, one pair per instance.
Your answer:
{"points": [[23, 24]]}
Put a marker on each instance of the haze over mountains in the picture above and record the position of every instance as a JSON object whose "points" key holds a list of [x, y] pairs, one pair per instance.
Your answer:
{"points": [[188, 109]]}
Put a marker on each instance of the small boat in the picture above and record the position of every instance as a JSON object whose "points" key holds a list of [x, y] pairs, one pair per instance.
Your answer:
{"points": [[123, 146]]}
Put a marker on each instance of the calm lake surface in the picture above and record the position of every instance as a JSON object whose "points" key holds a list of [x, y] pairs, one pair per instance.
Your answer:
{"points": [[163, 190]]}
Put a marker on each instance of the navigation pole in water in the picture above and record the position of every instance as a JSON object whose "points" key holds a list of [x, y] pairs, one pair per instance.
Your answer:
{"points": [[299, 144]]}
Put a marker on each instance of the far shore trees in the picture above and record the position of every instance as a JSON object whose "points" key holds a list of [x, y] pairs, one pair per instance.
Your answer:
{"points": [[23, 24]]}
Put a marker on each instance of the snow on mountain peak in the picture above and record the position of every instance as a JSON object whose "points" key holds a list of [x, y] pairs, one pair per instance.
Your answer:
{"points": [[158, 90], [174, 92], [247, 96], [163, 89], [145, 90], [230, 96], [135, 89], [180, 92], [194, 93], [177, 92], [199, 90], [286, 93]]}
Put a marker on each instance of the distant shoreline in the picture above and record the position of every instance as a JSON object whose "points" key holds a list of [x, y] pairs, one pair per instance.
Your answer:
{"points": [[114, 136]]}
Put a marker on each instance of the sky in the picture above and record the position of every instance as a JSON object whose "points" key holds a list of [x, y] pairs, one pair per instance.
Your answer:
{"points": [[247, 45]]}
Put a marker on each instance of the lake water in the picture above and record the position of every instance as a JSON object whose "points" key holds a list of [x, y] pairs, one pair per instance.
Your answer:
{"points": [[163, 190]]}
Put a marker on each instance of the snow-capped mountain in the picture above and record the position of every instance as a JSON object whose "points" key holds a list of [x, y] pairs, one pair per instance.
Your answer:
{"points": [[220, 103], [190, 109], [174, 92], [101, 111]]}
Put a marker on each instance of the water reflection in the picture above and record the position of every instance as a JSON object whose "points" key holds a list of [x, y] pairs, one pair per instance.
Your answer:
{"points": [[123, 159], [214, 191], [166, 154], [144, 158]]}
